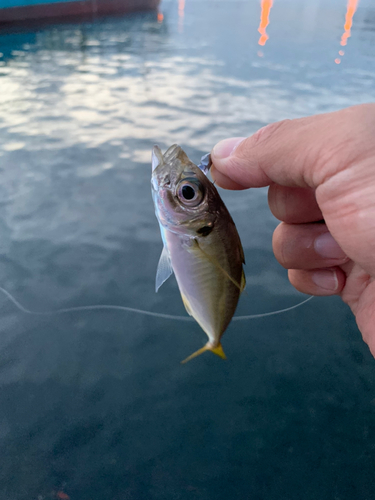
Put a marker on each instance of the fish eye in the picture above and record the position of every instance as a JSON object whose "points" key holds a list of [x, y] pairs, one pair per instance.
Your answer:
{"points": [[190, 192]]}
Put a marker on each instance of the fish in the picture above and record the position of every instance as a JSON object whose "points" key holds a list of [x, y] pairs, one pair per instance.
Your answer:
{"points": [[201, 245]]}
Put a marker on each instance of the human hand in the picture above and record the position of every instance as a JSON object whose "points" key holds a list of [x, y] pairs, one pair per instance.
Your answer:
{"points": [[320, 167]]}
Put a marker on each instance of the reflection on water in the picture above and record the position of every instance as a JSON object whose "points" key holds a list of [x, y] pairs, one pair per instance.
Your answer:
{"points": [[96, 405], [266, 6], [351, 8], [181, 15]]}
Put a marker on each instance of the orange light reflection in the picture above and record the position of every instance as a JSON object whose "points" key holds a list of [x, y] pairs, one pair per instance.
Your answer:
{"points": [[181, 7], [266, 6], [160, 17], [350, 10], [181, 13]]}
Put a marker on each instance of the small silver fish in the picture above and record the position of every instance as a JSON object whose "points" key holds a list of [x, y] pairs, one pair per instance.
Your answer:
{"points": [[201, 243]]}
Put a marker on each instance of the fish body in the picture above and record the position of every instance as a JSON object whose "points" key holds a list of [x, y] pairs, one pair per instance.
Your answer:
{"points": [[201, 243]]}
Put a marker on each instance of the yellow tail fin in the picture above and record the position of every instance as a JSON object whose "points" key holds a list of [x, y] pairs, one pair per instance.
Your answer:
{"points": [[218, 350]]}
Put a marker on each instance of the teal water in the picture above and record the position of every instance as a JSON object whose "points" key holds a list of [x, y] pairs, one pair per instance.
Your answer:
{"points": [[21, 3], [95, 405]]}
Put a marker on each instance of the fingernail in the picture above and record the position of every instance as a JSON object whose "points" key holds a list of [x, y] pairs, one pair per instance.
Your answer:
{"points": [[327, 247], [225, 148], [326, 279]]}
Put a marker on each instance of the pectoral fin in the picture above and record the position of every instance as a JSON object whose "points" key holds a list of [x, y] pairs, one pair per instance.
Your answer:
{"points": [[218, 350], [164, 269]]}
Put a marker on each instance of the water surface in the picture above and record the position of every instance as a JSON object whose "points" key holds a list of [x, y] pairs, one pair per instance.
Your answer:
{"points": [[95, 405]]}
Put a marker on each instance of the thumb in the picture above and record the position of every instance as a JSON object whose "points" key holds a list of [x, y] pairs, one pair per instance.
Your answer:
{"points": [[296, 153], [333, 154]]}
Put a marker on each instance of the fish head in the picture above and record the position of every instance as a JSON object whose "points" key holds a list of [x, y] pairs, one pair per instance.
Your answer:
{"points": [[184, 197]]}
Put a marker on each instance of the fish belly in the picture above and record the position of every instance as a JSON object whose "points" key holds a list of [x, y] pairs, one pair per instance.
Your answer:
{"points": [[209, 296]]}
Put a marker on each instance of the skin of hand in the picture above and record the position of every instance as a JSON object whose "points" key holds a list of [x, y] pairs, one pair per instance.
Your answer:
{"points": [[321, 176]]}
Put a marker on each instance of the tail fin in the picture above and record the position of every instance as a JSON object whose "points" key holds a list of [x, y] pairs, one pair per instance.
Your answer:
{"points": [[218, 350]]}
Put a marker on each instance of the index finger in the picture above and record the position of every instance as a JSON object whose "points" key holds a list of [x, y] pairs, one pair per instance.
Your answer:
{"points": [[297, 153]]}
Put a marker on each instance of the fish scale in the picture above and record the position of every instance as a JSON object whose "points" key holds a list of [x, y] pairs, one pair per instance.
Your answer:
{"points": [[201, 243]]}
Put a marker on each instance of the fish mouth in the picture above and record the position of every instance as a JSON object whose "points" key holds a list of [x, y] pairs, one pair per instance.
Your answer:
{"points": [[156, 157], [154, 185]]}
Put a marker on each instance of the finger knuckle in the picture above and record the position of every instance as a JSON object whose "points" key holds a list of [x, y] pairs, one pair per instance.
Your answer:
{"points": [[269, 130]]}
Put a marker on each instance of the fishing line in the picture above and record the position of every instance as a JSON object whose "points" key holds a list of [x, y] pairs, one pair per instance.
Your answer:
{"points": [[136, 311], [91, 308], [253, 316]]}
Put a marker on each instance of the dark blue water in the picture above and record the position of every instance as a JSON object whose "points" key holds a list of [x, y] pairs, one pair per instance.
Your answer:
{"points": [[95, 405]]}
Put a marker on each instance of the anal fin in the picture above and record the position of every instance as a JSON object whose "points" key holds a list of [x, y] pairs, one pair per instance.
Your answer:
{"points": [[186, 304], [243, 281]]}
